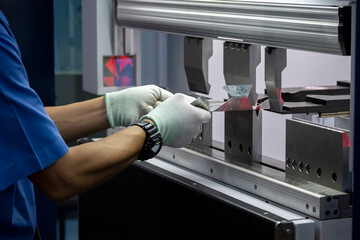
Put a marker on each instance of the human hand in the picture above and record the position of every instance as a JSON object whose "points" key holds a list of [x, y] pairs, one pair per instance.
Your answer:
{"points": [[127, 106], [177, 120]]}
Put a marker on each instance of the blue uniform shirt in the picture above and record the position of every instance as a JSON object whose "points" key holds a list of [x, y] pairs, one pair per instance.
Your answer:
{"points": [[29, 141]]}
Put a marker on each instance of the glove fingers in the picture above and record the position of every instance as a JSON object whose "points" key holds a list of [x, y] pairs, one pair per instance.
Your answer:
{"points": [[188, 99], [206, 116], [148, 109], [163, 95], [157, 103], [178, 121]]}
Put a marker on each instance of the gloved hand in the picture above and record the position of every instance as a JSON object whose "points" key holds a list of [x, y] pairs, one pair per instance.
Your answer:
{"points": [[127, 106], [177, 120]]}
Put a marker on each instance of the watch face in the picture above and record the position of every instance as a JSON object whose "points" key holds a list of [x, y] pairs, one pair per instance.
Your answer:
{"points": [[156, 148]]}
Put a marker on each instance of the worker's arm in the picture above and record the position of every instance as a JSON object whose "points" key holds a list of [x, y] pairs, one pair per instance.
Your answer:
{"points": [[90, 164], [121, 108], [81, 119]]}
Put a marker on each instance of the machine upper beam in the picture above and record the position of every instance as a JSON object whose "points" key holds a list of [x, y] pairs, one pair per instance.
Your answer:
{"points": [[319, 26]]}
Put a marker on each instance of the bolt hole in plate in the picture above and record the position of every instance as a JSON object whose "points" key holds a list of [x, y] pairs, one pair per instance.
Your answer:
{"points": [[229, 144], [308, 168], [314, 209], [294, 164], [301, 166], [241, 147], [334, 177], [288, 163], [318, 172]]}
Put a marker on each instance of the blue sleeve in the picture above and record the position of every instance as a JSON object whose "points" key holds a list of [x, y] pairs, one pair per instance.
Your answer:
{"points": [[29, 139]]}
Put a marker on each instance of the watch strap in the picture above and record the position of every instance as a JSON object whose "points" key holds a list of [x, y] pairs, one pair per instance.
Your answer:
{"points": [[153, 141]]}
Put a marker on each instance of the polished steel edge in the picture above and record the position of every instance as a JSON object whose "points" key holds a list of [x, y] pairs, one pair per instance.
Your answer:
{"points": [[306, 197], [294, 2], [296, 26]]}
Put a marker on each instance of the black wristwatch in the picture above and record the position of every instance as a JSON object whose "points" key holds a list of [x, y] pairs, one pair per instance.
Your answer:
{"points": [[153, 140]]}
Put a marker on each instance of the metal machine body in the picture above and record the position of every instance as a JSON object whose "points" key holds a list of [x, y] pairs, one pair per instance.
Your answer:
{"points": [[319, 154], [310, 195], [242, 128], [306, 25]]}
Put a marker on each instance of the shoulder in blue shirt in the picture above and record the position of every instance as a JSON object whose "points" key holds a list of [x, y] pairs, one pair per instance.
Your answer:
{"points": [[29, 141]]}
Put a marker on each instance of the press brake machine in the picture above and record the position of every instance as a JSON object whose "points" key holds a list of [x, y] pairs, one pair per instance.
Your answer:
{"points": [[229, 189]]}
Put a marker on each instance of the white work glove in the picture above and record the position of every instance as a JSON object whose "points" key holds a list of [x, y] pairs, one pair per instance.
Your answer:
{"points": [[127, 106], [178, 121]]}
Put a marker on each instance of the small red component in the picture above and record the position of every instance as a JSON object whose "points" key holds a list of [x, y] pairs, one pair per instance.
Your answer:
{"points": [[346, 140]]}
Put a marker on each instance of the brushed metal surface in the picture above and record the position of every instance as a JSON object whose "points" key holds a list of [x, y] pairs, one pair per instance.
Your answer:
{"points": [[318, 153], [243, 132], [275, 63], [304, 25], [197, 52], [304, 196], [243, 129]]}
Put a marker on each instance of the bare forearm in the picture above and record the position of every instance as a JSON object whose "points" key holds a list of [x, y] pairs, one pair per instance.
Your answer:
{"points": [[91, 164], [81, 119]]}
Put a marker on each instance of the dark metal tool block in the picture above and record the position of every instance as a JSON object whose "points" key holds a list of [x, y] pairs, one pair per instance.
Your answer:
{"points": [[319, 154], [243, 135], [275, 63], [243, 131], [320, 99], [299, 94], [319, 104], [240, 62], [197, 52]]}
